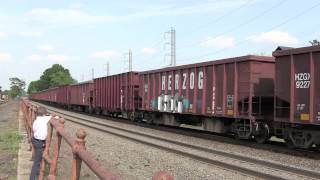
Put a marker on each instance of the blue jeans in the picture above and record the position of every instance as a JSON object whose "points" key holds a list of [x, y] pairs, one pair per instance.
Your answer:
{"points": [[39, 147]]}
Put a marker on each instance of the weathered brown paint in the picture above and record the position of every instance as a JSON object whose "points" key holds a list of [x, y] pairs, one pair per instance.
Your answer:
{"points": [[80, 93], [302, 101], [108, 92], [239, 77], [312, 87]]}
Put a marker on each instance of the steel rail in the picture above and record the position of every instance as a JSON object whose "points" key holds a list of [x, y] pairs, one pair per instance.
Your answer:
{"points": [[268, 164]]}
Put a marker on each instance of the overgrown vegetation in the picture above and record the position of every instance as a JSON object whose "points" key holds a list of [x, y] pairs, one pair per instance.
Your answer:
{"points": [[55, 76], [9, 142], [9, 146]]}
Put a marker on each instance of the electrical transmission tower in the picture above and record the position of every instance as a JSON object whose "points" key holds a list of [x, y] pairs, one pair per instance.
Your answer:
{"points": [[92, 73], [107, 68], [172, 44], [129, 60]]}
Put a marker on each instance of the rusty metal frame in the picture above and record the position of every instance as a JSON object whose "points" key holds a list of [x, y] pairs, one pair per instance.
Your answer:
{"points": [[80, 154]]}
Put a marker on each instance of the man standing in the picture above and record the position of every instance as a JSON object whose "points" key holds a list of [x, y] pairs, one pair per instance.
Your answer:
{"points": [[40, 132]]}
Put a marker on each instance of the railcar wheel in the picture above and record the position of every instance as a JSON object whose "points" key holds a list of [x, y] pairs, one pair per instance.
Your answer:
{"points": [[289, 143], [236, 136], [149, 121], [131, 117], [263, 134]]}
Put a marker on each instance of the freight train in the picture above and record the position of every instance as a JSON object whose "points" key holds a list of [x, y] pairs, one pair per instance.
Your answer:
{"points": [[251, 97]]}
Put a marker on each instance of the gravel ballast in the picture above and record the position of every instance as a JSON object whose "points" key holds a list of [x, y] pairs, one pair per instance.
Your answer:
{"points": [[136, 161], [182, 163]]}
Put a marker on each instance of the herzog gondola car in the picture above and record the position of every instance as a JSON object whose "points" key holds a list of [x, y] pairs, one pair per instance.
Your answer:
{"points": [[297, 95], [233, 95]]}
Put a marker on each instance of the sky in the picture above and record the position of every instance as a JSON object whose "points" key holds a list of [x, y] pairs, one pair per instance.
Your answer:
{"points": [[83, 35]]}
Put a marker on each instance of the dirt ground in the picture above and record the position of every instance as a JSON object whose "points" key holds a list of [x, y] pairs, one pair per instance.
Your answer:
{"points": [[9, 140]]}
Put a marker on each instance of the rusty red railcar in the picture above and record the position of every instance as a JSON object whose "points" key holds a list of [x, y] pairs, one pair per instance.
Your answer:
{"points": [[238, 90], [41, 96], [58, 95], [81, 96], [117, 94], [297, 92]]}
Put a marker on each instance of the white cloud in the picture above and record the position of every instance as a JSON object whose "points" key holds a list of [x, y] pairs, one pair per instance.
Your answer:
{"points": [[274, 37], [76, 16], [34, 57], [106, 54], [147, 50], [45, 47], [30, 33], [3, 34], [171, 9], [5, 57], [63, 17], [219, 42], [58, 57], [76, 5]]}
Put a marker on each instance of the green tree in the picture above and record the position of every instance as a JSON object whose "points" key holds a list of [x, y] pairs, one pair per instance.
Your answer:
{"points": [[55, 76], [17, 87], [33, 87]]}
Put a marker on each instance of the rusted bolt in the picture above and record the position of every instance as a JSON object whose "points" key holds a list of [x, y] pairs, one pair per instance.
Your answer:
{"points": [[81, 134], [80, 142], [62, 121]]}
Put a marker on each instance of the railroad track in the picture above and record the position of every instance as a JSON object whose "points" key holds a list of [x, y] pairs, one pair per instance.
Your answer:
{"points": [[245, 165], [271, 146]]}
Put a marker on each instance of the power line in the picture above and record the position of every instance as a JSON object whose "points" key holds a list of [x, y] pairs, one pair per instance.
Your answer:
{"points": [[222, 17], [244, 23], [270, 29], [213, 21], [302, 34]]}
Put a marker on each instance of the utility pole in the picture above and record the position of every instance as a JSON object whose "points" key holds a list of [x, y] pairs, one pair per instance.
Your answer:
{"points": [[172, 44]]}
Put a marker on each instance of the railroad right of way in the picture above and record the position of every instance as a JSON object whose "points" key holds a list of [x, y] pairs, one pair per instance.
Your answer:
{"points": [[243, 164]]}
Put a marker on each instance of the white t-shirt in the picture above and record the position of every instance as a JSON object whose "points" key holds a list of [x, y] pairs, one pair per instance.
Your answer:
{"points": [[40, 128]]}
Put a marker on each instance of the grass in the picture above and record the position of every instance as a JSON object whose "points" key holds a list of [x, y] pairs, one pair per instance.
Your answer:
{"points": [[9, 142], [9, 146]]}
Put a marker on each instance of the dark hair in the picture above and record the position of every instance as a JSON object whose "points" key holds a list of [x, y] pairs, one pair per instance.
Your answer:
{"points": [[41, 111]]}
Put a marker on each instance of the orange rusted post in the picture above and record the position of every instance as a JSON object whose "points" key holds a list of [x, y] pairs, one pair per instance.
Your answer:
{"points": [[54, 162], [162, 175], [46, 152], [26, 124], [31, 119], [79, 144]]}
